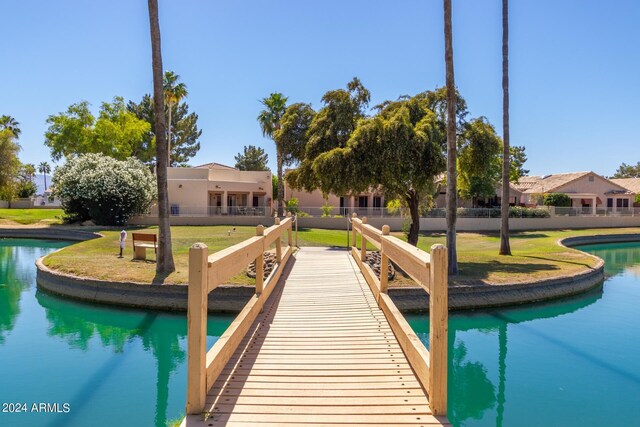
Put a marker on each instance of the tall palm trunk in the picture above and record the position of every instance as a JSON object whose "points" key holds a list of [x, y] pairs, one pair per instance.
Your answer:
{"points": [[280, 186], [505, 247], [45, 182], [165, 262], [451, 143], [169, 138]]}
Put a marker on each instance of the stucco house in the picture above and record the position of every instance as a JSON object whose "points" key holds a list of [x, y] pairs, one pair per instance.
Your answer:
{"points": [[216, 189], [367, 203], [631, 184], [586, 190]]}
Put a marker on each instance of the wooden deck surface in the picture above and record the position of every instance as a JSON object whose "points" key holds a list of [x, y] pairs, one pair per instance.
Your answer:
{"points": [[321, 353]]}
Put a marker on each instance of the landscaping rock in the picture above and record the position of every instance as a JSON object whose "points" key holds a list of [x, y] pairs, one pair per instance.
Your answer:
{"points": [[269, 264], [374, 261]]}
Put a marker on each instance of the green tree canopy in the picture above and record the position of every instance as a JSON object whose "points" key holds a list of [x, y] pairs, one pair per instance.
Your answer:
{"points": [[269, 121], [10, 124], [399, 150], [330, 128], [115, 133], [185, 134], [627, 171], [9, 149], [252, 159], [479, 160], [516, 163]]}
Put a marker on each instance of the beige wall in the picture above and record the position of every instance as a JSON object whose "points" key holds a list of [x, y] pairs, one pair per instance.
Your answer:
{"points": [[189, 188], [599, 186]]}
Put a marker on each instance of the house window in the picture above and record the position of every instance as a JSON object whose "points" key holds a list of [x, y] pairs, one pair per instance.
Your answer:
{"points": [[363, 202], [377, 201], [619, 203], [625, 203], [256, 201], [343, 211], [609, 202]]}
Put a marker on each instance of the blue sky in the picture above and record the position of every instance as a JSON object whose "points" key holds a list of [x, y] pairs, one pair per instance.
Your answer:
{"points": [[574, 65]]}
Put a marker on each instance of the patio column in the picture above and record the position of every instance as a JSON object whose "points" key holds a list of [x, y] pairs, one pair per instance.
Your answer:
{"points": [[593, 205]]}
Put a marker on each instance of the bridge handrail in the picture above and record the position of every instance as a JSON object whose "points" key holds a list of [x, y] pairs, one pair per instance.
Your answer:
{"points": [[429, 270], [206, 272]]}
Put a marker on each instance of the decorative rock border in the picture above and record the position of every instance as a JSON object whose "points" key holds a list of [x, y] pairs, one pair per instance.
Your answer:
{"points": [[234, 298]]}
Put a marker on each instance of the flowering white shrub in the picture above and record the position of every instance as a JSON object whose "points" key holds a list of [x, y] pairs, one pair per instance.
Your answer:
{"points": [[103, 189]]}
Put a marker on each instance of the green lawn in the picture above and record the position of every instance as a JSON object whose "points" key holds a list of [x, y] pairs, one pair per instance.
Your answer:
{"points": [[536, 254], [30, 216]]}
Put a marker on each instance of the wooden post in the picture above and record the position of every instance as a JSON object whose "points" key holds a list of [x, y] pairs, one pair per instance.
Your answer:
{"points": [[438, 330], [197, 328], [363, 242], [289, 231], [260, 264], [353, 230], [296, 219], [384, 263], [278, 244]]}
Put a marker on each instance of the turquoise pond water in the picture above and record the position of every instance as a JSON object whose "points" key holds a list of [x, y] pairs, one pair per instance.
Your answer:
{"points": [[574, 362]]}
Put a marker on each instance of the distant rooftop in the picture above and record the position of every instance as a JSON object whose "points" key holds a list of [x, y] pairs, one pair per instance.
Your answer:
{"points": [[214, 165]]}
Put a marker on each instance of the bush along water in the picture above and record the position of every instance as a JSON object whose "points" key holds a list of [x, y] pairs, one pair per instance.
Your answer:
{"points": [[103, 189]]}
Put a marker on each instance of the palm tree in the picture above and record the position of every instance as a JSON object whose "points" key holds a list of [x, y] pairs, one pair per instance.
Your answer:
{"points": [[451, 142], [505, 247], [164, 262], [269, 120], [173, 94], [44, 168], [11, 124]]}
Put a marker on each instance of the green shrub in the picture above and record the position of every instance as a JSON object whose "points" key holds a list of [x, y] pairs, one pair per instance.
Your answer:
{"points": [[557, 199], [520, 212], [26, 189], [291, 205], [103, 189], [326, 210]]}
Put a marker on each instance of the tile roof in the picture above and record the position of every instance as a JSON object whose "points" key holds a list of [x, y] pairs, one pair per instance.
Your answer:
{"points": [[631, 184], [547, 183]]}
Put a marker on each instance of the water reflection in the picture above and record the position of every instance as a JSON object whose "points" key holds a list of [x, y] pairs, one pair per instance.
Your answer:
{"points": [[618, 257], [159, 333], [473, 394]]}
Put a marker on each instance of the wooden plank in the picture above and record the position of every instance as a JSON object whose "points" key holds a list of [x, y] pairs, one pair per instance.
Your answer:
{"points": [[373, 235], [438, 329], [223, 419], [228, 407], [415, 352], [412, 260], [275, 232], [241, 390], [228, 262], [197, 327]]}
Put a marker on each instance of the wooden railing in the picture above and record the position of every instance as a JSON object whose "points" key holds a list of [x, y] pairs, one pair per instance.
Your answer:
{"points": [[430, 272], [206, 272]]}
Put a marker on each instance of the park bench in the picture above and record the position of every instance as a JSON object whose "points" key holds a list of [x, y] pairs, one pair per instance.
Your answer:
{"points": [[140, 246]]}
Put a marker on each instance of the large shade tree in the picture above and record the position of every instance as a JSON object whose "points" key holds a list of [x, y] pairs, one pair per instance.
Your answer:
{"points": [[174, 92], [451, 207], [165, 262], [331, 127], [399, 150], [269, 120], [116, 132]]}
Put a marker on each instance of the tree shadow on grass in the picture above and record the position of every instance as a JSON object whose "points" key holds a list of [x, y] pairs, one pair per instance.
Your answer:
{"points": [[481, 270], [559, 260]]}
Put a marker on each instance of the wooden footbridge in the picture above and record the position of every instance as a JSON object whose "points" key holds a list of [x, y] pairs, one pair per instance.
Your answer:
{"points": [[321, 342]]}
